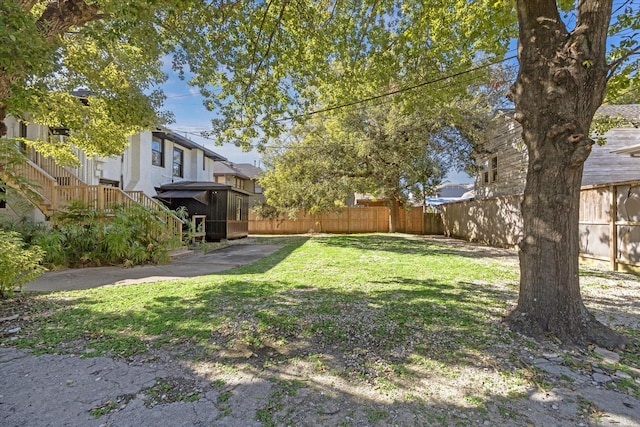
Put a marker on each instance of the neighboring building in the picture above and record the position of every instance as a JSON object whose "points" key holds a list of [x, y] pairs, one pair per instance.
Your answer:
{"points": [[502, 160], [450, 190], [150, 160], [242, 176]]}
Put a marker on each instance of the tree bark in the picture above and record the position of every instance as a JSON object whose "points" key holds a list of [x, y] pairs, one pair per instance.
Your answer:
{"points": [[560, 85], [394, 215]]}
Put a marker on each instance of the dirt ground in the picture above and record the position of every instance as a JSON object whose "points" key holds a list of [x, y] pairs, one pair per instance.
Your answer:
{"points": [[515, 382]]}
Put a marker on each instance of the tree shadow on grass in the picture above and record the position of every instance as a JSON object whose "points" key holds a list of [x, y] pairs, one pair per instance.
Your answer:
{"points": [[400, 351], [412, 354], [290, 244], [411, 244]]}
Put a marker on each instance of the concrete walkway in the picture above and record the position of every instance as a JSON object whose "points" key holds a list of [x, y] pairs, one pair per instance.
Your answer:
{"points": [[196, 264]]}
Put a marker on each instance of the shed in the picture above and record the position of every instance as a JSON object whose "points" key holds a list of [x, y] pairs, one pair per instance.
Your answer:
{"points": [[226, 208]]}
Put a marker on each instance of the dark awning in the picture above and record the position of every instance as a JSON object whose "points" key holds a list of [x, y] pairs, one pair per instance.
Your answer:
{"points": [[199, 195]]}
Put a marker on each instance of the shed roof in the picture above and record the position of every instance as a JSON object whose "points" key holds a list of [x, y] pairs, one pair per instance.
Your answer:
{"points": [[199, 195], [199, 185]]}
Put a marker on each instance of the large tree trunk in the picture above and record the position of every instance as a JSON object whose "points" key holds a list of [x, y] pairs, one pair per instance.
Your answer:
{"points": [[394, 215], [560, 85]]}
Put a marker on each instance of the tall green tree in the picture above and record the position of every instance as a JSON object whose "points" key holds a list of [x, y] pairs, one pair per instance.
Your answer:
{"points": [[49, 49], [376, 150], [570, 54]]}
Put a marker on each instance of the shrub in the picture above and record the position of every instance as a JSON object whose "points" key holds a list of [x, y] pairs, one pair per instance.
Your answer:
{"points": [[18, 264], [81, 236]]}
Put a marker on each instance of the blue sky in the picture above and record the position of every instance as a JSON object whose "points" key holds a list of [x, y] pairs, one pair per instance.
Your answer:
{"points": [[191, 118]]}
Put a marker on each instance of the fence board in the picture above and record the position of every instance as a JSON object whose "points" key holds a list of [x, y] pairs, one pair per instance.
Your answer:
{"points": [[609, 222], [350, 220]]}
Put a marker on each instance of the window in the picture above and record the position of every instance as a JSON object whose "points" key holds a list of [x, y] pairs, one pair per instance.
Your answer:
{"points": [[23, 129], [494, 168], [157, 151], [23, 134], [238, 208], [3, 196], [490, 170], [58, 131], [178, 162], [238, 182]]}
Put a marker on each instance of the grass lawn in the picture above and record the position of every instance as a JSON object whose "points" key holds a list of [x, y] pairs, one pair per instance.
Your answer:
{"points": [[406, 318], [402, 290]]}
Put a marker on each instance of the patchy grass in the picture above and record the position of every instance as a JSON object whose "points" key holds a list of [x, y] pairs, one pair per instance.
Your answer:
{"points": [[401, 288], [404, 320]]}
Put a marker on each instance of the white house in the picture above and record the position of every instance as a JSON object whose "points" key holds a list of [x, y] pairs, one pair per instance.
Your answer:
{"points": [[151, 159]]}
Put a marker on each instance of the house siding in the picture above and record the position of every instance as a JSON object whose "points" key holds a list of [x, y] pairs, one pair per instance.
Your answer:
{"points": [[504, 140]]}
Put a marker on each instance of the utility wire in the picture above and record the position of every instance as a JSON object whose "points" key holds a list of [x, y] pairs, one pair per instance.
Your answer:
{"points": [[395, 92]]}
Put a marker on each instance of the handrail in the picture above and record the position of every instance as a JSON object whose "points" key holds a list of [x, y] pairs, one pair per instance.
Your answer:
{"points": [[44, 185], [58, 187], [60, 174]]}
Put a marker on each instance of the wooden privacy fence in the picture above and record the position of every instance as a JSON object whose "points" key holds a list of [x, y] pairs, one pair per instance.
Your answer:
{"points": [[496, 221], [609, 222], [348, 221]]}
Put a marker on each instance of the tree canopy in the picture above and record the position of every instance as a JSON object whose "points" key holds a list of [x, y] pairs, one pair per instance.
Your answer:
{"points": [[257, 63], [378, 150]]}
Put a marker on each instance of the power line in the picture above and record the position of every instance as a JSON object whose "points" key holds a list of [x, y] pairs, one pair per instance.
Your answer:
{"points": [[395, 92]]}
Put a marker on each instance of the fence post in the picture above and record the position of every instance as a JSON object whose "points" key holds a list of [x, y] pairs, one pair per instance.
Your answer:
{"points": [[100, 197], [613, 228]]}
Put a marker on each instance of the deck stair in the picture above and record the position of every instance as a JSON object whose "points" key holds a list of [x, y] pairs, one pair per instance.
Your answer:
{"points": [[56, 187]]}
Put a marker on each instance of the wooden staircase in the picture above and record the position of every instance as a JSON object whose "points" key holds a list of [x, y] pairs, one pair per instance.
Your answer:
{"points": [[56, 188]]}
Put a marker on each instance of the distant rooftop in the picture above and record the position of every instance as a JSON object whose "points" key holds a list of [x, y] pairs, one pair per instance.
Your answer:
{"points": [[242, 170], [248, 169], [628, 111]]}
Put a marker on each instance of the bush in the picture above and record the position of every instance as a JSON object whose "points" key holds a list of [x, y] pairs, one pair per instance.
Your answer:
{"points": [[80, 236], [18, 264], [127, 235]]}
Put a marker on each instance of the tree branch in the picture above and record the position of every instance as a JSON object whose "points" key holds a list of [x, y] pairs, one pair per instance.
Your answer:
{"points": [[269, 44], [615, 65], [60, 16]]}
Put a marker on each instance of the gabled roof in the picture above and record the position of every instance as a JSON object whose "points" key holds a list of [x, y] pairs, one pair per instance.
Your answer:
{"points": [[166, 133], [227, 168], [249, 170]]}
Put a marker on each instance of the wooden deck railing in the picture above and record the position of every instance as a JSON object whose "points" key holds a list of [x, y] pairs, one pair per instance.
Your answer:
{"points": [[56, 196], [42, 183], [59, 173]]}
